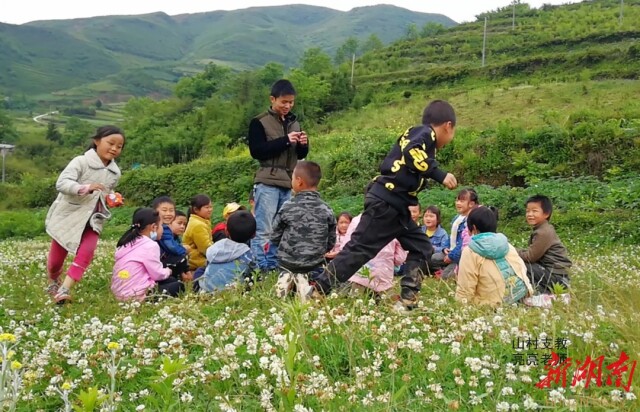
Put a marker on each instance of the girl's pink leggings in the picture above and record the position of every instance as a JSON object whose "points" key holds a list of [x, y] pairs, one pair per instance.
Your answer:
{"points": [[84, 256]]}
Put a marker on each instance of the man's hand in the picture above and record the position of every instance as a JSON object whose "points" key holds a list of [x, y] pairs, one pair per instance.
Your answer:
{"points": [[302, 138], [450, 182], [293, 137], [447, 260]]}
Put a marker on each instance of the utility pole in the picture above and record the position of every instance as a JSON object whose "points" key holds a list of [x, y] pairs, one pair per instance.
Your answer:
{"points": [[5, 149], [621, 10], [353, 66], [484, 41], [513, 18]]}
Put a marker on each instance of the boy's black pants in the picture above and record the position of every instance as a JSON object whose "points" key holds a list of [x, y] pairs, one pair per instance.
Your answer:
{"points": [[543, 279], [379, 225]]}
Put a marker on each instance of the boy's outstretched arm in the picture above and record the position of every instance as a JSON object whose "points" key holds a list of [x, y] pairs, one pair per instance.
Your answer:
{"points": [[420, 158]]}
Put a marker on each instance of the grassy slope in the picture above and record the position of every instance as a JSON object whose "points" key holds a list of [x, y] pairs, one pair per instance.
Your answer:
{"points": [[341, 353]]}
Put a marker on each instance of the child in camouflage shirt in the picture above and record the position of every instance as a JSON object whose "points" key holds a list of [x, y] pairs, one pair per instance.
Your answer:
{"points": [[304, 231]]}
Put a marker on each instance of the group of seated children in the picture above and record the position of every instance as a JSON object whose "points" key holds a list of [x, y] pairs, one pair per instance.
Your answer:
{"points": [[488, 270]]}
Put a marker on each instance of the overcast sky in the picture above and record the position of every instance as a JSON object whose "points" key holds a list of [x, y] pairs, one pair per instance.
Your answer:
{"points": [[22, 11]]}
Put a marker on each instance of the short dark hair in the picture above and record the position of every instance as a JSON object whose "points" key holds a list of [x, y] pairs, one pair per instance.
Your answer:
{"points": [[180, 213], [241, 226], [471, 193], [310, 172], [438, 112], [545, 203], [483, 219], [104, 131], [281, 88], [436, 211], [160, 200]]}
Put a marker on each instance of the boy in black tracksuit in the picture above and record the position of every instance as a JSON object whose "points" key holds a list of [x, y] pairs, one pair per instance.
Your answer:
{"points": [[403, 174]]}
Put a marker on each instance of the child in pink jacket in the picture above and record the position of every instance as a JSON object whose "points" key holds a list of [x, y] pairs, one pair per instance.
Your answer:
{"points": [[138, 269], [377, 274]]}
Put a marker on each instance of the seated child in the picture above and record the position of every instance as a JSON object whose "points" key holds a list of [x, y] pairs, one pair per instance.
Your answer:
{"points": [[437, 236], [197, 235], [490, 272], [173, 254], [414, 211], [304, 230], [230, 259], [546, 258], [344, 219], [377, 274], [466, 200], [219, 230], [138, 270]]}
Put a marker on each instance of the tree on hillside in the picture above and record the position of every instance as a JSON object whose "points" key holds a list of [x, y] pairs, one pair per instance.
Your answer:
{"points": [[372, 43], [53, 134], [270, 73], [77, 133], [347, 50], [203, 85], [431, 29], [8, 133], [412, 32], [98, 104], [316, 61]]}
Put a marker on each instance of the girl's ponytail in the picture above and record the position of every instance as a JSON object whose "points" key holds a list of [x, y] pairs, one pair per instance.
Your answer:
{"points": [[142, 218]]}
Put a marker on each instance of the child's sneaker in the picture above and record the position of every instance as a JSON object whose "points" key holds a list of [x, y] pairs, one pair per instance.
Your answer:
{"points": [[62, 296], [53, 287], [284, 284], [303, 288], [404, 306]]}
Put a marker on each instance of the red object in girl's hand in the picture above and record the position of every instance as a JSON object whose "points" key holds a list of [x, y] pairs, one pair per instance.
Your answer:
{"points": [[266, 248], [114, 199]]}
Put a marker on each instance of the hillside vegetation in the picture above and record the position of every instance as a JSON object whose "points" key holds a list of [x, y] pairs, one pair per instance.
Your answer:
{"points": [[515, 129], [141, 55]]}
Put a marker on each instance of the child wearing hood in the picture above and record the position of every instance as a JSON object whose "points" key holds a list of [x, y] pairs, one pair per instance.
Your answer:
{"points": [[230, 259], [490, 272]]}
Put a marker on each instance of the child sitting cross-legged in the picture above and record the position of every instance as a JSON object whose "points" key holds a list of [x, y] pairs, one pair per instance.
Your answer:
{"points": [[546, 257], [138, 269], [490, 272], [230, 259], [304, 231]]}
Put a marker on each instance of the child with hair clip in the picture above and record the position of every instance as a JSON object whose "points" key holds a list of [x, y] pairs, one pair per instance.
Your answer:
{"points": [[138, 269], [344, 220], [197, 236], [76, 217], [174, 255]]}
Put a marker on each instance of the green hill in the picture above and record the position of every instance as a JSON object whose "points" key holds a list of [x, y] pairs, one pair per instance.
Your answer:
{"points": [[578, 41], [146, 54]]}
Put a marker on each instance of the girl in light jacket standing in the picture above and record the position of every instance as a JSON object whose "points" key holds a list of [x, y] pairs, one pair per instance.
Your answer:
{"points": [[76, 217]]}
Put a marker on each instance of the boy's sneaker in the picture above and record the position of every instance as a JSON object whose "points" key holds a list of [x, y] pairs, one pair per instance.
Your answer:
{"points": [[303, 288], [284, 284], [62, 296]]}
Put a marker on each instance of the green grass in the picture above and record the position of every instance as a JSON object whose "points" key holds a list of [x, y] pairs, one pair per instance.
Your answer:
{"points": [[334, 354]]}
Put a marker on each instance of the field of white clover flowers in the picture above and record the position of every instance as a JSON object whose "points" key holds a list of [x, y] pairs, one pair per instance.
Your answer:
{"points": [[238, 351]]}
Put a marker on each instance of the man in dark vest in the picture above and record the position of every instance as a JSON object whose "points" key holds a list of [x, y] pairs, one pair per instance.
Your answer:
{"points": [[275, 139]]}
